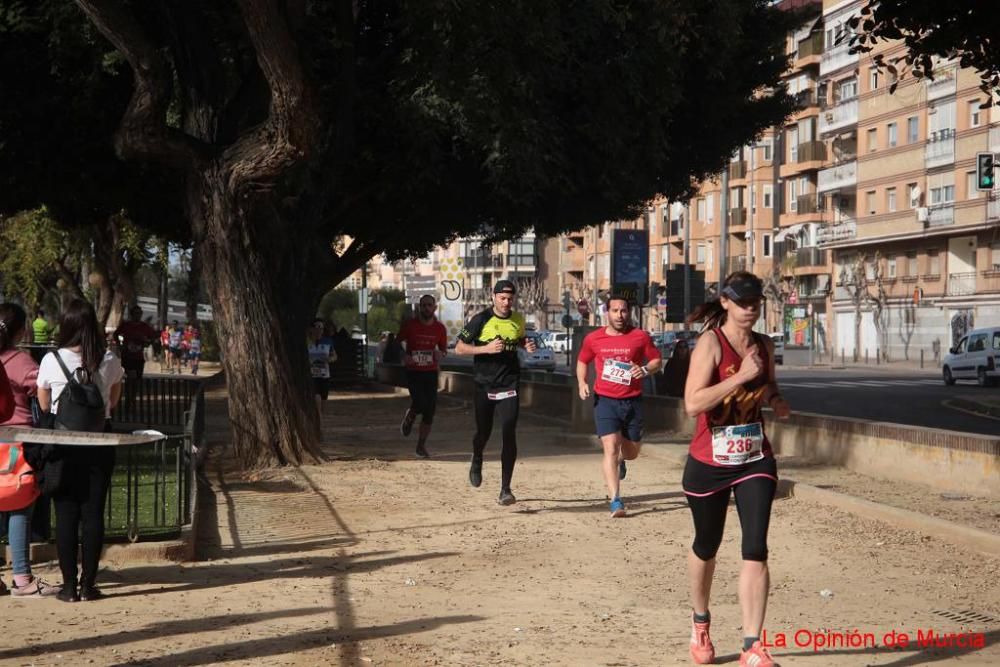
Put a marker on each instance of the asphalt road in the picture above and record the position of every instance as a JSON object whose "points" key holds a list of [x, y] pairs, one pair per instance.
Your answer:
{"points": [[914, 398]]}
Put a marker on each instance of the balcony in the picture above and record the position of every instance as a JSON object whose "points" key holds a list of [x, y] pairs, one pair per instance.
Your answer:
{"points": [[945, 83], [940, 149], [810, 256], [961, 284], [805, 204], [737, 263], [812, 46], [844, 230], [811, 151], [738, 169], [806, 98], [838, 57], [840, 177], [737, 217], [676, 227], [940, 215], [839, 117], [993, 206]]}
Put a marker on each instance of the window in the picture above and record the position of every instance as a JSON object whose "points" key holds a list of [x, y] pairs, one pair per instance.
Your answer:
{"points": [[995, 256], [521, 253], [891, 130], [870, 202], [890, 200], [753, 199], [652, 260], [933, 263], [710, 203], [765, 241], [996, 340], [847, 90], [709, 254], [652, 222], [768, 195], [970, 185], [768, 146], [941, 188], [912, 195], [912, 129], [701, 209], [793, 195], [792, 139], [911, 264], [873, 78], [960, 348], [872, 139], [941, 123], [701, 253], [974, 111], [891, 268]]}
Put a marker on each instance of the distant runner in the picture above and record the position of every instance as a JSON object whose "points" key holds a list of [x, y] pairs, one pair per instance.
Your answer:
{"points": [[731, 378], [134, 336], [623, 356], [321, 356], [494, 336], [426, 342]]}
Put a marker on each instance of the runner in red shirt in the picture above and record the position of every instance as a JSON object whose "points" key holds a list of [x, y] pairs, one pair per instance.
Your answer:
{"points": [[426, 342], [730, 380], [623, 356], [134, 336]]}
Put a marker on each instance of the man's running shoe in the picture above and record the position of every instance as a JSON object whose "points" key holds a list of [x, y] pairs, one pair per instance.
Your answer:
{"points": [[622, 471], [506, 498], [617, 508], [757, 656], [407, 426], [702, 650], [476, 472], [422, 452]]}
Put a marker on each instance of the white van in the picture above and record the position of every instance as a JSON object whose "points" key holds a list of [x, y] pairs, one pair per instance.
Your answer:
{"points": [[976, 357]]}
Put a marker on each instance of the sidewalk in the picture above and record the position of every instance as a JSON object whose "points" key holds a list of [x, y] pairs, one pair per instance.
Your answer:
{"points": [[376, 558]]}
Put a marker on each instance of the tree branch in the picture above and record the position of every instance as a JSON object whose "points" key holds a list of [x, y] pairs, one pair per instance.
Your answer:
{"points": [[288, 136], [143, 132]]}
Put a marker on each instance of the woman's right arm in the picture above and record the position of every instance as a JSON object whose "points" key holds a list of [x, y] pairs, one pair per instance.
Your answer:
{"points": [[699, 394]]}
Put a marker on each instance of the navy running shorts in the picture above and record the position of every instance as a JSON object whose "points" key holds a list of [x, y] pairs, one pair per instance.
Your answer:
{"points": [[618, 415]]}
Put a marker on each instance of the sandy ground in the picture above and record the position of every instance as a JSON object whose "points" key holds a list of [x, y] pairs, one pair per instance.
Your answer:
{"points": [[377, 558]]}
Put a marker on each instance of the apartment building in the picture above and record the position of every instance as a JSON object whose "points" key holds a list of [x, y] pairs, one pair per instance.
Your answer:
{"points": [[904, 191]]}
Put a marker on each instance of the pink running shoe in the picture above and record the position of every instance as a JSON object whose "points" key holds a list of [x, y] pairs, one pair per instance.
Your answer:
{"points": [[702, 650], [757, 656]]}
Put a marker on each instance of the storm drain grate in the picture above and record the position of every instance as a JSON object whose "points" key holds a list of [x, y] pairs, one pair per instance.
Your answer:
{"points": [[967, 617]]}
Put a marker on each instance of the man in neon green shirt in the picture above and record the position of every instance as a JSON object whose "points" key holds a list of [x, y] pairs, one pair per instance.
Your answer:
{"points": [[41, 329]]}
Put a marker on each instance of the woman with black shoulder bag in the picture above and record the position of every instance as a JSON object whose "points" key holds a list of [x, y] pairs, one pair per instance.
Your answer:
{"points": [[79, 384]]}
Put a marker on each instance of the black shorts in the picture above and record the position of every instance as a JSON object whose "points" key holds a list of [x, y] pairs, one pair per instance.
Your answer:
{"points": [[423, 387], [701, 479], [321, 387], [618, 415]]}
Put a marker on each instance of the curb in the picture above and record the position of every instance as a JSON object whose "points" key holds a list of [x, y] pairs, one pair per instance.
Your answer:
{"points": [[965, 536]]}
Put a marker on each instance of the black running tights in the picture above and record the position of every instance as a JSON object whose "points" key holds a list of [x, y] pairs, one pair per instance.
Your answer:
{"points": [[753, 504], [507, 409]]}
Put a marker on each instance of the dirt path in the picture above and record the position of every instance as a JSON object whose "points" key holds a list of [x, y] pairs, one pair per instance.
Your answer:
{"points": [[379, 559]]}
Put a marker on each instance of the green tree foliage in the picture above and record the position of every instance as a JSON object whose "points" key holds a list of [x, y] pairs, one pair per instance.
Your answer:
{"points": [[38, 257], [290, 124], [933, 30]]}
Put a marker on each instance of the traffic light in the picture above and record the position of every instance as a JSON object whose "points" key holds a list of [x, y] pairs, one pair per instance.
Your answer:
{"points": [[985, 165]]}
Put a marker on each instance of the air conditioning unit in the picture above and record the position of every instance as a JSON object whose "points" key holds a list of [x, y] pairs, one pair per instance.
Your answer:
{"points": [[828, 116], [922, 214]]}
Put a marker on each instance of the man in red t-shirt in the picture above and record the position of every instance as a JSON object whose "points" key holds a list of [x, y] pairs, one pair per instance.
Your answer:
{"points": [[134, 336], [426, 342], [623, 356]]}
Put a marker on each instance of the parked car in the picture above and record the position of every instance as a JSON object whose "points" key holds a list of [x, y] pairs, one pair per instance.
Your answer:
{"points": [[976, 357], [543, 358], [779, 347], [560, 342]]}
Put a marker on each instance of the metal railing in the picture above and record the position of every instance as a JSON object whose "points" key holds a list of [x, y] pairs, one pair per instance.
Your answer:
{"points": [[811, 46], [738, 169], [961, 284], [737, 217], [940, 214]]}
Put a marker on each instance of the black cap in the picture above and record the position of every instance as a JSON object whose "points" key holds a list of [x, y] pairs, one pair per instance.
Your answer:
{"points": [[504, 286], [742, 289]]}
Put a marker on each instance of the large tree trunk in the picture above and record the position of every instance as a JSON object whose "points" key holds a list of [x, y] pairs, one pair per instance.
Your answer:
{"points": [[259, 284]]}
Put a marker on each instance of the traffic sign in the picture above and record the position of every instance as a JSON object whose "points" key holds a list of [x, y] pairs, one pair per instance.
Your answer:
{"points": [[567, 321]]}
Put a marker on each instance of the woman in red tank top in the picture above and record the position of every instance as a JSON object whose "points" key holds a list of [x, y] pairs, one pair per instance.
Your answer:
{"points": [[730, 380]]}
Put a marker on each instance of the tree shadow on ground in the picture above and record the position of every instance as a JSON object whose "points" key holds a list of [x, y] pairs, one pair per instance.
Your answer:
{"points": [[301, 641], [154, 580]]}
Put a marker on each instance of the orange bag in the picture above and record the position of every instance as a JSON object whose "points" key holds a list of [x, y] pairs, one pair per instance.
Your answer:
{"points": [[18, 485]]}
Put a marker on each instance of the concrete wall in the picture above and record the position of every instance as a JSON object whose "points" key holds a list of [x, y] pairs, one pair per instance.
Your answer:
{"points": [[942, 460]]}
